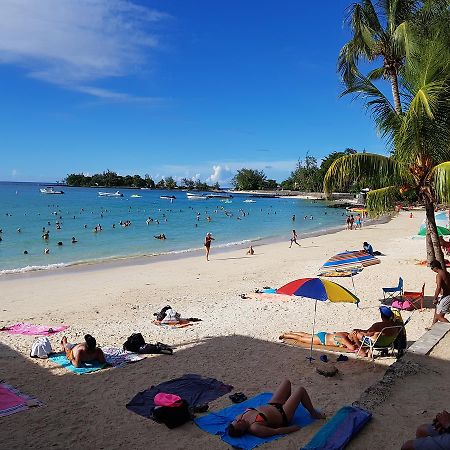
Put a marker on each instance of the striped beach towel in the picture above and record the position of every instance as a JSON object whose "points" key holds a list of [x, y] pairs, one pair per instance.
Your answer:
{"points": [[13, 401]]}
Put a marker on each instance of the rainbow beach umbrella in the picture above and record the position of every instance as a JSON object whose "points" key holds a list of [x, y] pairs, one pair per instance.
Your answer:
{"points": [[318, 289]]}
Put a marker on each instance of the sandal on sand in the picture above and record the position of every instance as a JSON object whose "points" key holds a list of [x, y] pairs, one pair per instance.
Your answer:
{"points": [[324, 358], [342, 358], [238, 397]]}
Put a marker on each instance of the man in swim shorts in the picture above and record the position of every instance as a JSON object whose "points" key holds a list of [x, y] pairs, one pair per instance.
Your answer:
{"points": [[442, 287], [84, 352], [433, 436]]}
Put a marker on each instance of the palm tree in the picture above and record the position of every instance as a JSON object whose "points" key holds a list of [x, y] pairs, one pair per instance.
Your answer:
{"points": [[377, 30], [420, 136]]}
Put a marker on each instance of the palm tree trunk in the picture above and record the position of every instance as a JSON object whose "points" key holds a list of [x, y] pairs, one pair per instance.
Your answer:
{"points": [[430, 248], [396, 93], [432, 232]]}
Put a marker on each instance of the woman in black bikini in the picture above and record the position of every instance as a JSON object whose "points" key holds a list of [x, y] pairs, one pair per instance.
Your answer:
{"points": [[274, 418]]}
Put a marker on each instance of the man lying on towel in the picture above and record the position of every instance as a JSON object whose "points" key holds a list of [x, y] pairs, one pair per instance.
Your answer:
{"points": [[274, 418], [84, 352]]}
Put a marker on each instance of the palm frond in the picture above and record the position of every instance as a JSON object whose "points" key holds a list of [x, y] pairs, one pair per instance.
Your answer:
{"points": [[380, 201], [375, 171], [440, 176]]}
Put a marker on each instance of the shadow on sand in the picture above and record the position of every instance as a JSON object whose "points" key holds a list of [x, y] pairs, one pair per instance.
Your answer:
{"points": [[89, 411]]}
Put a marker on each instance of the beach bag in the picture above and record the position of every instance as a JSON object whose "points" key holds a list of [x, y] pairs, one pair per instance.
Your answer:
{"points": [[403, 305], [41, 348], [134, 343], [171, 316], [171, 416], [165, 399], [160, 315]]}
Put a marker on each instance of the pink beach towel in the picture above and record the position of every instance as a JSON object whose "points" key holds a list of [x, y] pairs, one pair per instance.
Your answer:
{"points": [[28, 328], [13, 401]]}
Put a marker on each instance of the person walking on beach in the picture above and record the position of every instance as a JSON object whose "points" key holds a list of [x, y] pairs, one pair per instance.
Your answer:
{"points": [[352, 221], [348, 222], [207, 244], [294, 239], [442, 287]]}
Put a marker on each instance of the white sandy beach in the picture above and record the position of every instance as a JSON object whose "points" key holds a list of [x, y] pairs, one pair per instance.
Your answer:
{"points": [[236, 342]]}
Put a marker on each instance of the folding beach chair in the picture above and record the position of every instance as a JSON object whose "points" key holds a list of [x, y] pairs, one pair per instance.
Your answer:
{"points": [[382, 343], [393, 292], [415, 297]]}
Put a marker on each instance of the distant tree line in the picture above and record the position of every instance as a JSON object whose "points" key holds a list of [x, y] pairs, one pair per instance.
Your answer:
{"points": [[112, 179]]}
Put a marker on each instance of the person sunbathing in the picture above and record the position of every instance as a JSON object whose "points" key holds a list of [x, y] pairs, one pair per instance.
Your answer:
{"points": [[84, 352], [274, 418], [335, 339]]}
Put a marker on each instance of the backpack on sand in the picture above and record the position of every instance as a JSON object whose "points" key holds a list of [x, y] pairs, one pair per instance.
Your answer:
{"points": [[41, 348], [134, 343]]}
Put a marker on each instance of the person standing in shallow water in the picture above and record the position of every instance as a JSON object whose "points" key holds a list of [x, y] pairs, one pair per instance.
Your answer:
{"points": [[207, 244]]}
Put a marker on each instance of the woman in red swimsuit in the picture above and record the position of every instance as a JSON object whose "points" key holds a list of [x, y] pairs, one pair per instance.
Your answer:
{"points": [[274, 418], [207, 244]]}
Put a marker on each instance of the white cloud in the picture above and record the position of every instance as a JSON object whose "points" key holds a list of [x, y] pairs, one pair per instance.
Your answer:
{"points": [[14, 173], [220, 174], [73, 43]]}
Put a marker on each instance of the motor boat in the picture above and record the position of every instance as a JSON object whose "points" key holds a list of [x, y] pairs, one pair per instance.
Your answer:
{"points": [[136, 196], [168, 197], [110, 194], [50, 190], [191, 196], [249, 201], [219, 196]]}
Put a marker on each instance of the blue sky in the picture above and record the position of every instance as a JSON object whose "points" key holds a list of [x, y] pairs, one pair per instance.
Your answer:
{"points": [[188, 88]]}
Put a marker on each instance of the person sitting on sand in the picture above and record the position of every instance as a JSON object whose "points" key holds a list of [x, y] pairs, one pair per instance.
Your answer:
{"points": [[335, 339], [367, 248], [443, 289], [86, 351], [250, 251], [274, 418], [433, 436]]}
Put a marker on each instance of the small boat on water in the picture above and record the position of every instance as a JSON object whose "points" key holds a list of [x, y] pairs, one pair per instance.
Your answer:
{"points": [[50, 190], [168, 197], [136, 196], [191, 196], [110, 194], [249, 201], [219, 196]]}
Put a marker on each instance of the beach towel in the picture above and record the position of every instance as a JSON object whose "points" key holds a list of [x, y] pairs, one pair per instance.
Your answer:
{"points": [[193, 388], [88, 367], [217, 422], [13, 401], [36, 330], [339, 430], [182, 323], [116, 357]]}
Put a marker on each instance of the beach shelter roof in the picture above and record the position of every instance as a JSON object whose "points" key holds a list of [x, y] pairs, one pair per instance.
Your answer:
{"points": [[318, 289], [350, 259]]}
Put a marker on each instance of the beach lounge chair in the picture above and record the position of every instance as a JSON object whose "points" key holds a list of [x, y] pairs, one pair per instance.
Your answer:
{"points": [[393, 292], [382, 343], [415, 297]]}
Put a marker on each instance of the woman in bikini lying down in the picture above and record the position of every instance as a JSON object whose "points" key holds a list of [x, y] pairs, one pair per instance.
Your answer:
{"points": [[337, 339], [274, 418]]}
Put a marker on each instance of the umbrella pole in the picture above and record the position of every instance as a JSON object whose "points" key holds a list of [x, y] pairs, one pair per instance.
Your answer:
{"points": [[312, 335]]}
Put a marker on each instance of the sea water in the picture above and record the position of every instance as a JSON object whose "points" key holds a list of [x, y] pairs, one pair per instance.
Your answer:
{"points": [[184, 222]]}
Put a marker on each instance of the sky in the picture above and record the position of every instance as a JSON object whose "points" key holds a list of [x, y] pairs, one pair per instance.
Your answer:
{"points": [[183, 88]]}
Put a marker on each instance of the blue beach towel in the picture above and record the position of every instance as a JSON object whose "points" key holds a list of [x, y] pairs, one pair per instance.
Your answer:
{"points": [[88, 367], [217, 422], [339, 430]]}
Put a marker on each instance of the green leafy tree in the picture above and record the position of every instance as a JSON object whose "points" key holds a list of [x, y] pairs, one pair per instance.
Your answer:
{"points": [[161, 184], [188, 183], [377, 32], [149, 181], [249, 180], [170, 183], [419, 136]]}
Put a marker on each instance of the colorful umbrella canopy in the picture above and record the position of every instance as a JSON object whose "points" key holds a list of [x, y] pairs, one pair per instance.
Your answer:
{"points": [[318, 289], [442, 223], [442, 231], [350, 259]]}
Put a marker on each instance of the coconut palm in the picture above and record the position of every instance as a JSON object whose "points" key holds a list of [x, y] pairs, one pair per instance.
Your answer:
{"points": [[376, 28], [419, 137]]}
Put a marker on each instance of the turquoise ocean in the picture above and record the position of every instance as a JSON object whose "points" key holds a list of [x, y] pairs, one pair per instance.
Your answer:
{"points": [[184, 222]]}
